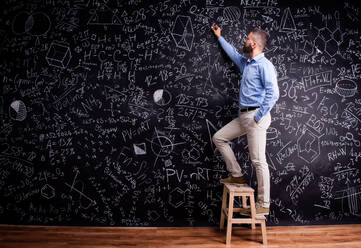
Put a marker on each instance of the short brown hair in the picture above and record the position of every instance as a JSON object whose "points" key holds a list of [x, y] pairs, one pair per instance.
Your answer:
{"points": [[260, 36]]}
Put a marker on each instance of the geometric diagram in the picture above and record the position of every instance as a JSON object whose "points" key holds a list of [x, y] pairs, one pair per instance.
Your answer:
{"points": [[308, 146], [85, 201], [153, 215], [287, 22], [192, 154], [349, 136], [331, 47], [140, 149], [210, 134], [47, 191], [308, 47], [58, 55], [17, 110], [162, 146], [337, 35], [346, 88], [327, 41], [176, 197], [162, 97], [353, 195], [231, 14], [183, 33], [35, 24]]}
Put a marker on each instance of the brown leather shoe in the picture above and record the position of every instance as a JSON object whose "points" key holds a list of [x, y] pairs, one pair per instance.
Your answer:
{"points": [[259, 210], [238, 180]]}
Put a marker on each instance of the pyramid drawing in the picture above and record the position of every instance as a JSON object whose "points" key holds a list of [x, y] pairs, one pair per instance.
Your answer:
{"points": [[287, 22]]}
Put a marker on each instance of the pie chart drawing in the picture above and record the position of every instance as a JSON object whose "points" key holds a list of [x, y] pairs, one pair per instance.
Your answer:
{"points": [[162, 97], [162, 146], [17, 110]]}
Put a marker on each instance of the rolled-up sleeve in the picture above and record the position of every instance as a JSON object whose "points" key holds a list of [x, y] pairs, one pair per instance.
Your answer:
{"points": [[232, 53]]}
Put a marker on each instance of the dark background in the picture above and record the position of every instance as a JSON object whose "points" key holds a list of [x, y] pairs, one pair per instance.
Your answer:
{"points": [[108, 109]]}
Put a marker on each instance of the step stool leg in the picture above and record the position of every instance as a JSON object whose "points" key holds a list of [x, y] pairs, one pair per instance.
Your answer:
{"points": [[264, 232], [244, 201], [230, 217], [224, 201], [253, 211]]}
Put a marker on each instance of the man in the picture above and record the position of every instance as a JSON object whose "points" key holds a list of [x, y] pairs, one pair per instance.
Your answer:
{"points": [[257, 95]]}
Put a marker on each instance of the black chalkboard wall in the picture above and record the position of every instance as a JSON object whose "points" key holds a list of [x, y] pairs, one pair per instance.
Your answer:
{"points": [[108, 109]]}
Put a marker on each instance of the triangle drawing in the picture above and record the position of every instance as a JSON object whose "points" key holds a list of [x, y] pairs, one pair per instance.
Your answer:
{"points": [[287, 22], [211, 131], [139, 149]]}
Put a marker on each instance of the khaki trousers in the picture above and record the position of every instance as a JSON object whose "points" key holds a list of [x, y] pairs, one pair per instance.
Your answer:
{"points": [[256, 138]]}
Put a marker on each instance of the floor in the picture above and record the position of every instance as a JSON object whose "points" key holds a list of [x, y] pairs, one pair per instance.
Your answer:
{"points": [[345, 236]]}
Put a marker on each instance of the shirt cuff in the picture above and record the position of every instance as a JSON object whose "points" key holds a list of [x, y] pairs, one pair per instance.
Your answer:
{"points": [[257, 117]]}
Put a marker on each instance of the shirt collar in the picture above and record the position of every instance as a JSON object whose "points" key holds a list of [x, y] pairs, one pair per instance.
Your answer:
{"points": [[257, 58]]}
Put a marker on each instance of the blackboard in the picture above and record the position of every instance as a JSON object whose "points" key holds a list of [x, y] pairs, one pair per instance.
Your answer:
{"points": [[108, 109]]}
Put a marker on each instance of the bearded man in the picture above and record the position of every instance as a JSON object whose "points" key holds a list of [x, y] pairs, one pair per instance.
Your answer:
{"points": [[257, 95]]}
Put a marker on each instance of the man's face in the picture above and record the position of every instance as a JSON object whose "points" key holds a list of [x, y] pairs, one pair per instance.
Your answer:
{"points": [[247, 47]]}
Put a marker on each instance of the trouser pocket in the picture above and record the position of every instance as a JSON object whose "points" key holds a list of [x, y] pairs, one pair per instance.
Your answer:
{"points": [[265, 121]]}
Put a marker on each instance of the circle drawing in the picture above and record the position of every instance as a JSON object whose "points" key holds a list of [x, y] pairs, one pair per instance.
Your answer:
{"points": [[17, 110], [162, 146], [162, 97]]}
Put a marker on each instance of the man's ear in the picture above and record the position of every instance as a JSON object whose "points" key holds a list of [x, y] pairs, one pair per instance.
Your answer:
{"points": [[254, 44]]}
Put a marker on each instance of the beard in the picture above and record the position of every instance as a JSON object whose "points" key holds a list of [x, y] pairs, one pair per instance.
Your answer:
{"points": [[247, 49]]}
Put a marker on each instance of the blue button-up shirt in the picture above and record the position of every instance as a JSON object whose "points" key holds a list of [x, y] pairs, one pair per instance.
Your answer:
{"points": [[258, 85]]}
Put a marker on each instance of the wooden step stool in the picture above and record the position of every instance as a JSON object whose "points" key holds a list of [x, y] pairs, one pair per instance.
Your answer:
{"points": [[244, 191]]}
